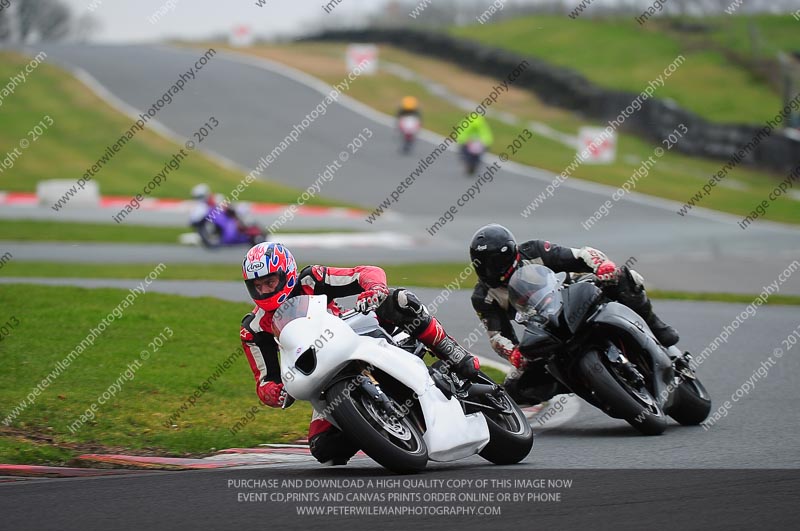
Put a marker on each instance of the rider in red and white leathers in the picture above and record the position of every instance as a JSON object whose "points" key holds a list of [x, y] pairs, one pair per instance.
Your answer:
{"points": [[271, 277]]}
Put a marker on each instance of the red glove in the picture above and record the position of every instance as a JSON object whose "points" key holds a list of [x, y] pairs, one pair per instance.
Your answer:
{"points": [[607, 271], [272, 394], [517, 359], [370, 299]]}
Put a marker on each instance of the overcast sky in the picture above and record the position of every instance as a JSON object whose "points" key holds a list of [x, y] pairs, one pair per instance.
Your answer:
{"points": [[128, 20]]}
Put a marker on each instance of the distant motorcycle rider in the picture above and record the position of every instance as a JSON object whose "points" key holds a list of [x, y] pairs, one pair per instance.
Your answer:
{"points": [[496, 256], [204, 201], [271, 277], [474, 141], [409, 122], [409, 106], [208, 204], [478, 129]]}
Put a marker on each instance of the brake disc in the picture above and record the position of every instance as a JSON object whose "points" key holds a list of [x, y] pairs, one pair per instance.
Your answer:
{"points": [[393, 426]]}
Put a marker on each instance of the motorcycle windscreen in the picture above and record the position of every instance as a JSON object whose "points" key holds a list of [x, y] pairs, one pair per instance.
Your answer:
{"points": [[533, 290], [294, 308], [475, 147], [409, 124], [579, 300], [538, 342]]}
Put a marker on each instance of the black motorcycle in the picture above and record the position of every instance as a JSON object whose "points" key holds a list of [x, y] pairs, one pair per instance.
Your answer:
{"points": [[472, 152], [604, 352]]}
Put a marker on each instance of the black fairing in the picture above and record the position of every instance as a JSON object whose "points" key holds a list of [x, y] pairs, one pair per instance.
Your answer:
{"points": [[538, 342], [579, 300], [622, 318]]}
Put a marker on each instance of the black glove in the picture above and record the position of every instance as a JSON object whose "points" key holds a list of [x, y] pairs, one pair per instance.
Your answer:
{"points": [[468, 368]]}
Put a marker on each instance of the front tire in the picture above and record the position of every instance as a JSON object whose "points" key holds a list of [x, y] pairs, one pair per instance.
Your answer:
{"points": [[692, 403], [210, 234], [618, 398], [510, 434], [402, 452]]}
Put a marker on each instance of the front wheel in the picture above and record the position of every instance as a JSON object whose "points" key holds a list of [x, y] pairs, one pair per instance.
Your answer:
{"points": [[408, 144], [210, 234], [692, 403], [472, 166], [394, 442], [510, 434], [621, 398]]}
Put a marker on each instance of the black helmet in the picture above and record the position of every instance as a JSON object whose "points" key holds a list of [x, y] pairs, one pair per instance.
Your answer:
{"points": [[493, 252]]}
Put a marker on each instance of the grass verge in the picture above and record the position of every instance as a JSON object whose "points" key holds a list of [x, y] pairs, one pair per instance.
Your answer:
{"points": [[204, 335], [424, 275], [708, 84], [56, 231], [674, 176], [35, 230], [83, 127], [430, 275]]}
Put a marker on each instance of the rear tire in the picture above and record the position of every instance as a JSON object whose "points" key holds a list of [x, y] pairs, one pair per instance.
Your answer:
{"points": [[619, 401], [360, 426], [692, 403]]}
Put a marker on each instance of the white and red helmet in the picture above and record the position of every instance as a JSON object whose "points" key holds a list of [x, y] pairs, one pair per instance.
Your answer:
{"points": [[267, 259]]}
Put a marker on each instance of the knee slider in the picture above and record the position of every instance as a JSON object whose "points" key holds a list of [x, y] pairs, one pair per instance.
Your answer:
{"points": [[332, 446], [408, 303]]}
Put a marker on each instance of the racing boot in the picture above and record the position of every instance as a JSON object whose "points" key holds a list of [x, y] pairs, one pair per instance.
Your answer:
{"points": [[403, 308], [464, 364], [329, 445], [632, 294], [665, 334], [533, 385]]}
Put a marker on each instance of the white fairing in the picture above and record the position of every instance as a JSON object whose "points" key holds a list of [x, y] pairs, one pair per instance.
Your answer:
{"points": [[199, 211], [475, 147], [450, 434], [243, 210], [409, 125]]}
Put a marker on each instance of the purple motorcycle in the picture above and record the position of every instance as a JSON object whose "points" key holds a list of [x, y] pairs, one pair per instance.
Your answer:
{"points": [[219, 227]]}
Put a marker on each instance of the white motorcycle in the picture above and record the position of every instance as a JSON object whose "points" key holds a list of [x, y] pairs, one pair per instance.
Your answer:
{"points": [[409, 126], [378, 391]]}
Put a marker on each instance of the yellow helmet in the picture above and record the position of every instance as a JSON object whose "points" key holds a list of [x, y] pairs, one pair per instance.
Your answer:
{"points": [[409, 103]]}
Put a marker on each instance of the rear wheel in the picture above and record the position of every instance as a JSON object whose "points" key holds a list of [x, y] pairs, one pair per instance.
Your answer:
{"points": [[256, 235], [621, 398], [394, 442], [511, 437]]}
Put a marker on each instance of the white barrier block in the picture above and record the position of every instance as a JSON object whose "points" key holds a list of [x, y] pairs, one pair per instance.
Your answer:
{"points": [[51, 192]]}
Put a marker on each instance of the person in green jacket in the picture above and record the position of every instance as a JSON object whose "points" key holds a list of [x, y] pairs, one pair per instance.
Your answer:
{"points": [[477, 130]]}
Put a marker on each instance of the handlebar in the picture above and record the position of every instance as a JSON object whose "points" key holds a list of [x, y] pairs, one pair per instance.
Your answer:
{"points": [[348, 313]]}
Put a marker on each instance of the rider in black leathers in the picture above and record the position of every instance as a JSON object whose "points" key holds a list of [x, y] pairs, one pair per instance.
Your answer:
{"points": [[496, 255]]}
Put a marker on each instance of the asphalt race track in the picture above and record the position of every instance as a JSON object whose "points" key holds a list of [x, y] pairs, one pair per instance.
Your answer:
{"points": [[742, 471], [610, 499]]}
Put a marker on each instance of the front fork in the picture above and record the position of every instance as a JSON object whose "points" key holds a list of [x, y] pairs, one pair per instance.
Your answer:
{"points": [[370, 385], [625, 367], [682, 363]]}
